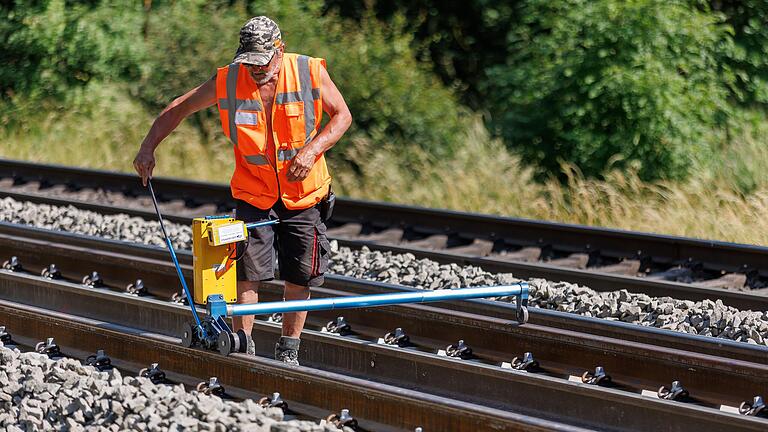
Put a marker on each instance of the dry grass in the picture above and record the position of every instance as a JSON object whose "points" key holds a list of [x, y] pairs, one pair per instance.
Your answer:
{"points": [[483, 177], [486, 178]]}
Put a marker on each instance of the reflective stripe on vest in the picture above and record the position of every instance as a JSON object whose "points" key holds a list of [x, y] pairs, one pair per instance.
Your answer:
{"points": [[282, 155], [284, 98], [257, 159], [242, 104], [305, 81], [232, 72]]}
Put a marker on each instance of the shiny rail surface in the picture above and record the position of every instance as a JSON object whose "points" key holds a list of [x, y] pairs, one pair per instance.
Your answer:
{"points": [[527, 247], [120, 264], [377, 406], [633, 366], [476, 384]]}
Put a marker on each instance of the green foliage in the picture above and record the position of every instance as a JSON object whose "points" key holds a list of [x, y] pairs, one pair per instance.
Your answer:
{"points": [[52, 47], [393, 99], [749, 61], [596, 83], [460, 38]]}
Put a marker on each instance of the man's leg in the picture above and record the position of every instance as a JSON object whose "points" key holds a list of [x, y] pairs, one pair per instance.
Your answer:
{"points": [[247, 293], [257, 264], [293, 322], [303, 256]]}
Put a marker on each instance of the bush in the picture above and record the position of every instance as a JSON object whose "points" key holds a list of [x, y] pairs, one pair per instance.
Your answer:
{"points": [[748, 62], [609, 82], [53, 47]]}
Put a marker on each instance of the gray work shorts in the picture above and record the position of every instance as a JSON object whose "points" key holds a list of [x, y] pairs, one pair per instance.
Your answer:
{"points": [[298, 242]]}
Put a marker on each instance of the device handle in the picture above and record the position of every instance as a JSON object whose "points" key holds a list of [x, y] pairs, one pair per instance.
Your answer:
{"points": [[173, 257]]}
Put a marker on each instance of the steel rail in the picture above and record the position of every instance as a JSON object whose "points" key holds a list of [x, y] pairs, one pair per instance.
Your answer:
{"points": [[487, 340], [746, 300], [712, 379], [476, 383], [380, 404], [122, 263], [714, 255]]}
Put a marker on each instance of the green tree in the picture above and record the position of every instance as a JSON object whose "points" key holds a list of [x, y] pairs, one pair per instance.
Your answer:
{"points": [[52, 46], [596, 82], [748, 62]]}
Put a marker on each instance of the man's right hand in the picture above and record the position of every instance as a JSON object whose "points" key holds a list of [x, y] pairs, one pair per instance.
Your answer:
{"points": [[144, 163]]}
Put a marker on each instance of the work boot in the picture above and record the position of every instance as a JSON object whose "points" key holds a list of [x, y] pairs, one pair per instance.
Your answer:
{"points": [[287, 350]]}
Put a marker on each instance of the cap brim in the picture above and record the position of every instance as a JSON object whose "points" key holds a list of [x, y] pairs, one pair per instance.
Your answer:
{"points": [[254, 58]]}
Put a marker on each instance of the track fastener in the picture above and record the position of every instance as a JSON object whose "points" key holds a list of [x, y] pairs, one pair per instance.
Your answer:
{"points": [[276, 317], [599, 377], [48, 348], [154, 373], [274, 401], [460, 350], [136, 288], [676, 393], [343, 419], [93, 280], [212, 387], [51, 272], [754, 408], [12, 264], [99, 360], [526, 362], [5, 337], [338, 326], [179, 298], [397, 337]]}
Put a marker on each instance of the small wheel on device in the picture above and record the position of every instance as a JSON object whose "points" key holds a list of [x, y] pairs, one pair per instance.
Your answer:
{"points": [[241, 337], [226, 343], [188, 335]]}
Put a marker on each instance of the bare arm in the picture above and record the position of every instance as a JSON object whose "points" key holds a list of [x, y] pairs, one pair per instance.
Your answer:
{"points": [[191, 102], [341, 119]]}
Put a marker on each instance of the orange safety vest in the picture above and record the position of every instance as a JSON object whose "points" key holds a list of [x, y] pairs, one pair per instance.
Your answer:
{"points": [[260, 176]]}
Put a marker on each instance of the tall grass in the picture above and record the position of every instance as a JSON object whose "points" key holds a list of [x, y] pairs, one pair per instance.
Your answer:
{"points": [[727, 201]]}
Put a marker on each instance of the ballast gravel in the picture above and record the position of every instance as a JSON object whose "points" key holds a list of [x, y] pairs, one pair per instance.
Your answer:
{"points": [[37, 393], [708, 318], [116, 227]]}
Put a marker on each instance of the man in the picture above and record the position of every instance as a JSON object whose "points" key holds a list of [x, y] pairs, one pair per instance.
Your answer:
{"points": [[271, 104]]}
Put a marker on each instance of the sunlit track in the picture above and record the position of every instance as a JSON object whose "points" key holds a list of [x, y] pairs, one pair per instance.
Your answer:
{"points": [[718, 374], [676, 267]]}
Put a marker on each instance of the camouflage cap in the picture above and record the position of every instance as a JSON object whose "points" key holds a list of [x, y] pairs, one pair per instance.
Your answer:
{"points": [[259, 39]]}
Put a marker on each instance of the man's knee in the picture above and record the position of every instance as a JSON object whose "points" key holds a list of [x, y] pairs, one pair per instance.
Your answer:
{"points": [[247, 291]]}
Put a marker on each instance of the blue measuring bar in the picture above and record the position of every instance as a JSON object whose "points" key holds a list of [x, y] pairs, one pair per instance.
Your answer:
{"points": [[217, 307]]}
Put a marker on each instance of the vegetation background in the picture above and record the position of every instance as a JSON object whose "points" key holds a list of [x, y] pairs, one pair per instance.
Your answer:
{"points": [[637, 114]]}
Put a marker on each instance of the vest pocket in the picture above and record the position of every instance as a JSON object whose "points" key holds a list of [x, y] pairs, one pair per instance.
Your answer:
{"points": [[293, 115]]}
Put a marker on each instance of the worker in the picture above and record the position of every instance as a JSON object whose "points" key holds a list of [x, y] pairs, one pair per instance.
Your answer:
{"points": [[270, 103]]}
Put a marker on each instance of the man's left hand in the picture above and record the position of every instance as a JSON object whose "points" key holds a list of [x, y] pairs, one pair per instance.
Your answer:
{"points": [[301, 165]]}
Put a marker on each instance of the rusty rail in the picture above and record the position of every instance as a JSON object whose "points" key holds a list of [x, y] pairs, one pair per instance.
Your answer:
{"points": [[475, 381]]}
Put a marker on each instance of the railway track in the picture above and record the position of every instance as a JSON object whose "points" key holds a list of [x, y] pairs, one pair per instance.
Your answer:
{"points": [[718, 375], [459, 357], [603, 259], [314, 393]]}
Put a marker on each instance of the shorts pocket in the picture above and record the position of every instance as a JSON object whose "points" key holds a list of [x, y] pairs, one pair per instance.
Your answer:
{"points": [[322, 251]]}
